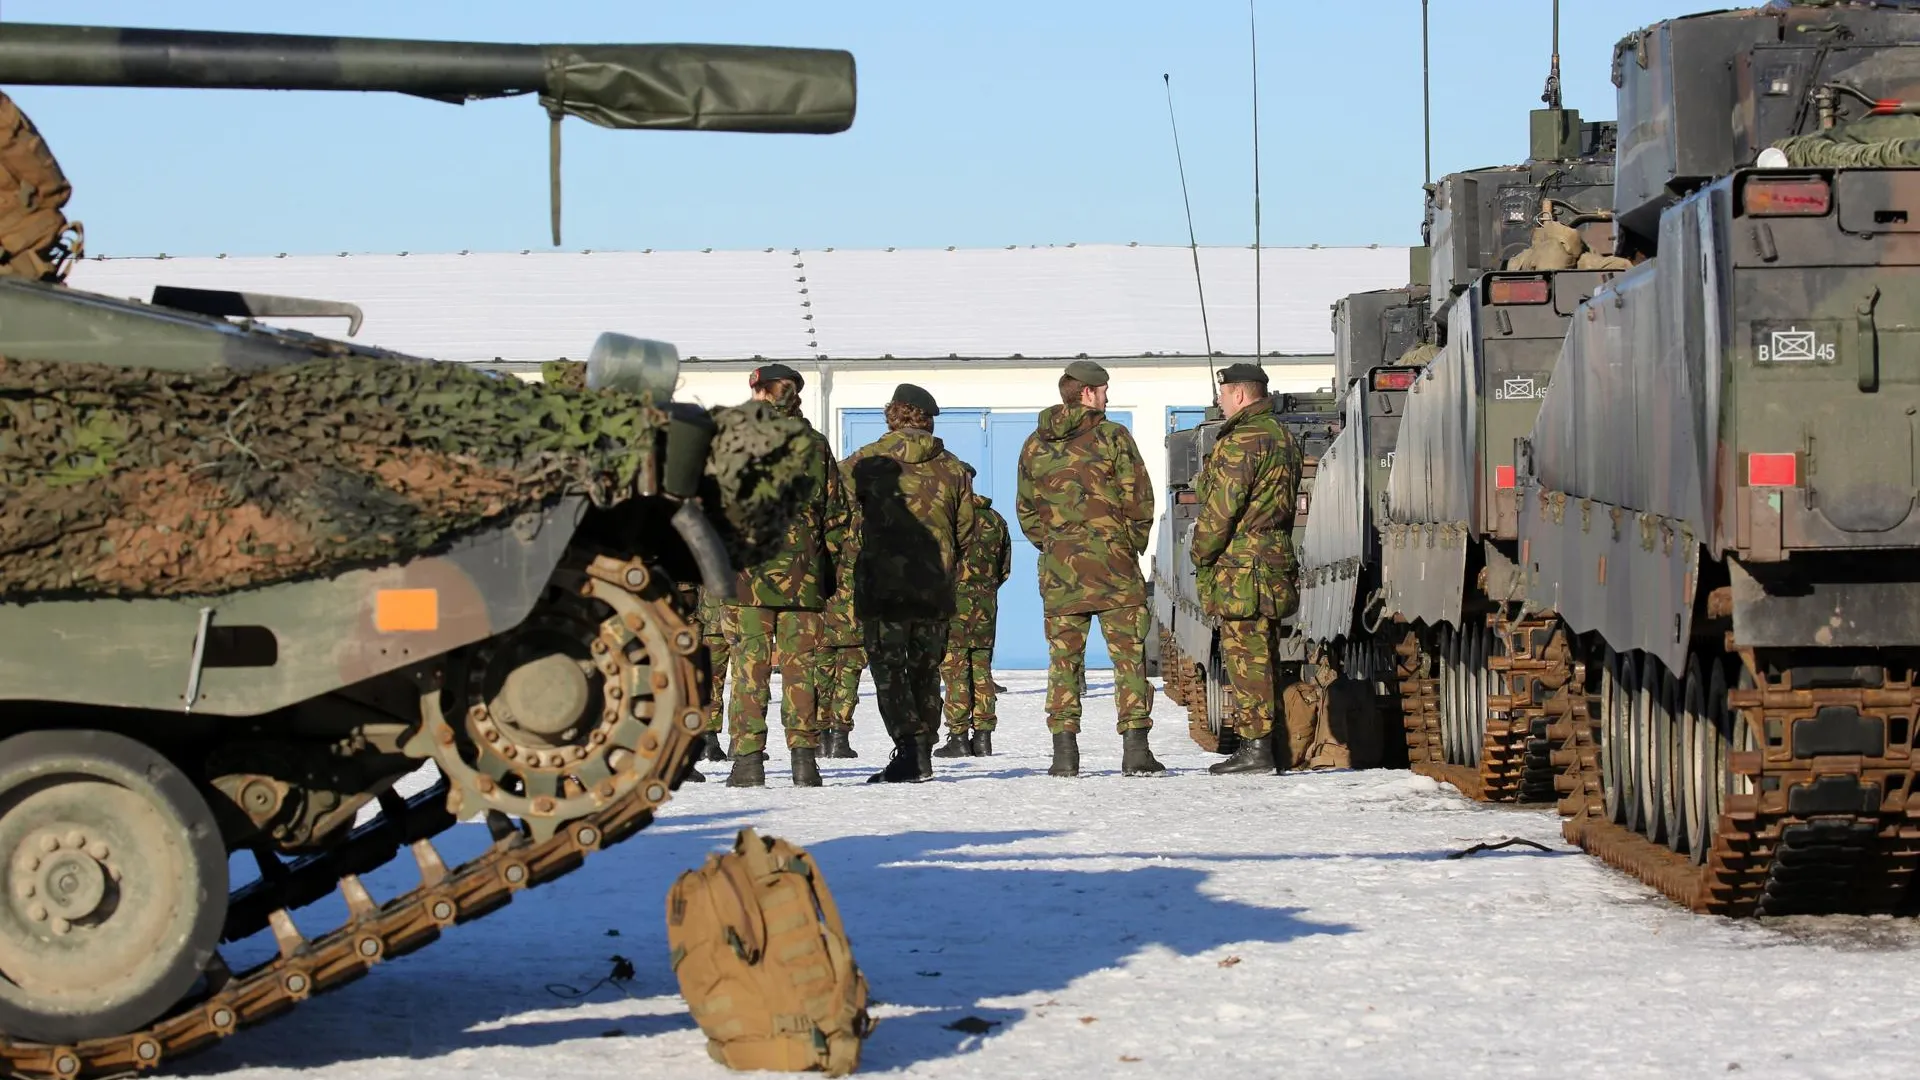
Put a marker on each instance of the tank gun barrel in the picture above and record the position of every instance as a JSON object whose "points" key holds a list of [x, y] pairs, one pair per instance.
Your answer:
{"points": [[742, 88], [698, 87]]}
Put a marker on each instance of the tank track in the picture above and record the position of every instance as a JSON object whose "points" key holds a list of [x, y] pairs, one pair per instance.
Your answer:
{"points": [[1829, 834], [375, 932], [1419, 688], [1516, 762]]}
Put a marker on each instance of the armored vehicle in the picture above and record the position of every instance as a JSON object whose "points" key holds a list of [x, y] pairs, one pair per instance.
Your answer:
{"points": [[1717, 498], [252, 579], [1189, 639]]}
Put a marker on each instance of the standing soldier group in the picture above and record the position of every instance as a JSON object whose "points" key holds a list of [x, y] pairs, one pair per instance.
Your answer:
{"points": [[893, 562]]}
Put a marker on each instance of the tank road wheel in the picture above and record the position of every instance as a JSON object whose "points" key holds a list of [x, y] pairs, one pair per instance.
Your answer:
{"points": [[1673, 752], [1477, 702], [1656, 761], [1696, 762], [115, 883], [560, 716], [1443, 674], [1614, 715]]}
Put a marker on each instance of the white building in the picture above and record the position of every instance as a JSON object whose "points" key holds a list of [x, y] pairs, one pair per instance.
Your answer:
{"points": [[986, 331]]}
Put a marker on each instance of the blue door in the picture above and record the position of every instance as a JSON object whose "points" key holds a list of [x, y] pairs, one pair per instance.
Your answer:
{"points": [[990, 441], [1182, 417]]}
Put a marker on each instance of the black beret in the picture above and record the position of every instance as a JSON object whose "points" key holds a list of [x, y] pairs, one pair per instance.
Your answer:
{"points": [[909, 394], [771, 372], [1243, 373]]}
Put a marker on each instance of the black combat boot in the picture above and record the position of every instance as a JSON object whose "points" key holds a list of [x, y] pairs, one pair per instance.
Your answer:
{"points": [[713, 751], [957, 745], [924, 746], [981, 745], [837, 744], [1066, 755], [1253, 756], [904, 768], [749, 770], [693, 775], [806, 771], [1136, 759]]}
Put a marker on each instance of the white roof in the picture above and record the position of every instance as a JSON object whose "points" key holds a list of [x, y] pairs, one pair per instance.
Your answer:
{"points": [[1093, 299]]}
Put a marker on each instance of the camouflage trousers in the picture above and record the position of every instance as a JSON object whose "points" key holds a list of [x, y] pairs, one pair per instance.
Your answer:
{"points": [[769, 638], [838, 685], [905, 659], [1126, 633], [719, 652], [1246, 651], [968, 675]]}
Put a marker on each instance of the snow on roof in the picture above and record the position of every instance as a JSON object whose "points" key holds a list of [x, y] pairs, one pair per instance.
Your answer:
{"points": [[1092, 299]]}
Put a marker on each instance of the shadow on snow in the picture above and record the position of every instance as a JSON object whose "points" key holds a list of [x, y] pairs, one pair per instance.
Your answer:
{"points": [[937, 938]]}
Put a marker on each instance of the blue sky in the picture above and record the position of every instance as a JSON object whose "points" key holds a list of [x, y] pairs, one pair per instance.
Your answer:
{"points": [[983, 123]]}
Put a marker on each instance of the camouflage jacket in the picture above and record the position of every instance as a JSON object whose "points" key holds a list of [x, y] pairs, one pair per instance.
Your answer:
{"points": [[838, 627], [1242, 541], [915, 507], [984, 566], [801, 575], [1086, 503]]}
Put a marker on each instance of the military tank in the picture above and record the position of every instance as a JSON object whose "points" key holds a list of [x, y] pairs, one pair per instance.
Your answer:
{"points": [[1190, 668], [1716, 501], [250, 579]]}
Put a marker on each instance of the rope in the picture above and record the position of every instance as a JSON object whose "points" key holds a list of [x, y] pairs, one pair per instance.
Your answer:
{"points": [[617, 978]]}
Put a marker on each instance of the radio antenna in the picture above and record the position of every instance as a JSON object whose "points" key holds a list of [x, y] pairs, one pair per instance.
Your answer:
{"points": [[1192, 243], [1253, 40], [1426, 96]]}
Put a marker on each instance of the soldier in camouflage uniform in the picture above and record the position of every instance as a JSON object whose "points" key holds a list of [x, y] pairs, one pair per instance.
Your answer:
{"points": [[716, 633], [1242, 548], [915, 510], [1086, 503], [985, 561], [777, 609], [842, 654]]}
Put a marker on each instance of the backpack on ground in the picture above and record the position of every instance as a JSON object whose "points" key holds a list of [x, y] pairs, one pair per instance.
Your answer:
{"points": [[764, 962]]}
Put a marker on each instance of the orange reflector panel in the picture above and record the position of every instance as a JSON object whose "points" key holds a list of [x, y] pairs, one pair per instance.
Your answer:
{"points": [[1187, 497], [1526, 291], [1503, 476], [1398, 379], [396, 610], [1771, 470], [1784, 198]]}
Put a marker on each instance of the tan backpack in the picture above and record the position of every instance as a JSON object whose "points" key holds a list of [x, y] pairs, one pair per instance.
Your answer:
{"points": [[764, 962], [32, 192]]}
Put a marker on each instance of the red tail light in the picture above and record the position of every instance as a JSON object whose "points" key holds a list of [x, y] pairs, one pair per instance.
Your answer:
{"points": [[1772, 470], [1766, 197], [1187, 497], [1395, 378], [1503, 476], [1300, 504], [1521, 291]]}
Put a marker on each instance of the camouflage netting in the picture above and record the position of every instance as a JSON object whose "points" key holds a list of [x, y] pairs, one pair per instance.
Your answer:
{"points": [[756, 456], [1866, 143], [571, 374], [135, 482], [1419, 355]]}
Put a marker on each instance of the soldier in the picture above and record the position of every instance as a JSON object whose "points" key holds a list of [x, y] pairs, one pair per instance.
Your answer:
{"points": [[778, 604], [842, 652], [1086, 503], [915, 508], [985, 561], [716, 632], [1243, 551]]}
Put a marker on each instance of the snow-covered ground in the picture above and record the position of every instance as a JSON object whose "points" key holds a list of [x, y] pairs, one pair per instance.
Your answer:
{"points": [[1304, 925]]}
